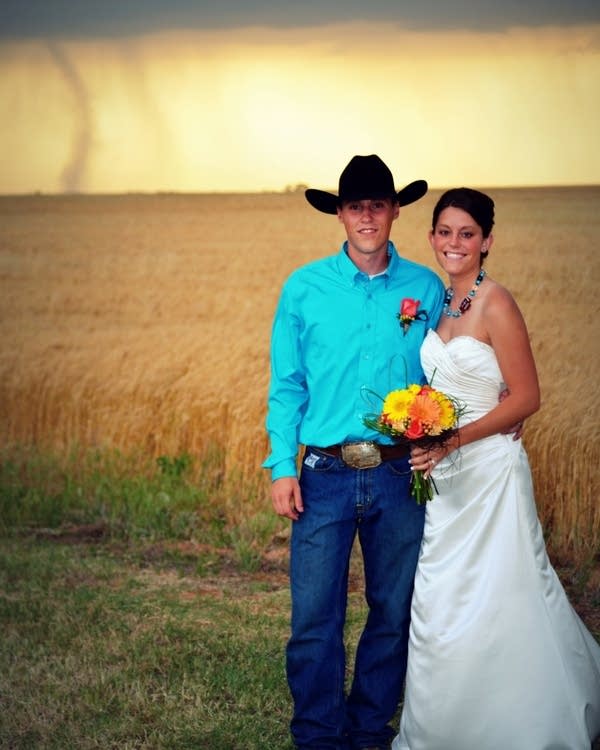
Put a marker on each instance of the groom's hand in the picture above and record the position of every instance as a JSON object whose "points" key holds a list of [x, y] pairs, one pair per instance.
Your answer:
{"points": [[515, 430], [287, 498]]}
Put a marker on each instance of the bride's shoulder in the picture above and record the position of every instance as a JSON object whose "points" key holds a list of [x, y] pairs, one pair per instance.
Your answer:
{"points": [[500, 305], [498, 296]]}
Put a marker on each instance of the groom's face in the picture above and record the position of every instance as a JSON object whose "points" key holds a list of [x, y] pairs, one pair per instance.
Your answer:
{"points": [[368, 224]]}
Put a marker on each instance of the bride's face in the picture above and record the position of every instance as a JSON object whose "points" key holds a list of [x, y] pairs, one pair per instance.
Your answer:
{"points": [[458, 242]]}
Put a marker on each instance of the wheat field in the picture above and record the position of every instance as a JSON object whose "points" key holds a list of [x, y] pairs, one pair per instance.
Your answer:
{"points": [[142, 323]]}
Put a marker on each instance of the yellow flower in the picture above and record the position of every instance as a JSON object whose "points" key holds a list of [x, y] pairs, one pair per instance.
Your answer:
{"points": [[447, 416], [396, 405]]}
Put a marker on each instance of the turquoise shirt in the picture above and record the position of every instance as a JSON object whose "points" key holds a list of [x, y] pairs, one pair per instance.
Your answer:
{"points": [[338, 348]]}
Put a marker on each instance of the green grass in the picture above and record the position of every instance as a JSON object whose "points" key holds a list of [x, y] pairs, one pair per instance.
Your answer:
{"points": [[133, 616], [102, 650], [130, 496]]}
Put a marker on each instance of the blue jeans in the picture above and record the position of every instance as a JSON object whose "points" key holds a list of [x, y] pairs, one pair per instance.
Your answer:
{"points": [[338, 503]]}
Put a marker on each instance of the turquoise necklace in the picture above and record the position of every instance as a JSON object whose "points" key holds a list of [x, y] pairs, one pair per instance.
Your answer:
{"points": [[466, 303]]}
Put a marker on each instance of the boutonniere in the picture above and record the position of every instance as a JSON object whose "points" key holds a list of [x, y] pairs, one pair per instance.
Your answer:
{"points": [[409, 312]]}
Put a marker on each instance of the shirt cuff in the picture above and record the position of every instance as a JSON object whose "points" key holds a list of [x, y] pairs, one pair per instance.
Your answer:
{"points": [[285, 468]]}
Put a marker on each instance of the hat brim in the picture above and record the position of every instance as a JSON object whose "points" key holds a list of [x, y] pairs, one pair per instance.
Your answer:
{"points": [[328, 202]]}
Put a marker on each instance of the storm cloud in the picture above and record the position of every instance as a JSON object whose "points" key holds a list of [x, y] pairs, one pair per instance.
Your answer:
{"points": [[67, 19]]}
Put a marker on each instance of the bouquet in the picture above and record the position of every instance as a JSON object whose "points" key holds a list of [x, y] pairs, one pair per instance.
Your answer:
{"points": [[422, 415]]}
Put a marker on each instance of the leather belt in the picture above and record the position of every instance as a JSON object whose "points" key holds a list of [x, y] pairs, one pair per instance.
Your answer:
{"points": [[367, 454]]}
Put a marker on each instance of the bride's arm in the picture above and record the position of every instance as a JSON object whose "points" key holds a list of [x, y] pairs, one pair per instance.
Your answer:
{"points": [[509, 338]]}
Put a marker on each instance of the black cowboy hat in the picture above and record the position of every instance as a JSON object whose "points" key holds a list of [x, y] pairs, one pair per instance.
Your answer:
{"points": [[365, 177]]}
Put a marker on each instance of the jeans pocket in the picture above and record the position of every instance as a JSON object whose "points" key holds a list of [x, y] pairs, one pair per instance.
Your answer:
{"points": [[399, 467], [317, 461]]}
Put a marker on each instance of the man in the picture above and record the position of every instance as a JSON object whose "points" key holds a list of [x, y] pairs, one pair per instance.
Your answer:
{"points": [[338, 347]]}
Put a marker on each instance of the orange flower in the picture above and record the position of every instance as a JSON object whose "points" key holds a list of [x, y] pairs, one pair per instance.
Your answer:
{"points": [[427, 411]]}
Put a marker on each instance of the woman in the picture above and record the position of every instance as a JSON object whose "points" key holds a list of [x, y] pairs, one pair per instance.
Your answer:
{"points": [[498, 659]]}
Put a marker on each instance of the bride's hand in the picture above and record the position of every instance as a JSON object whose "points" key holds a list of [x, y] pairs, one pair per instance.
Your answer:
{"points": [[426, 459]]}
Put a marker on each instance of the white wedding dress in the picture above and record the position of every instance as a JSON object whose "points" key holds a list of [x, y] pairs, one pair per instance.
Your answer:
{"points": [[498, 659]]}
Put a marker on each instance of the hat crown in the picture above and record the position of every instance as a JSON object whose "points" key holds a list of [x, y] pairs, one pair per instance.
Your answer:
{"points": [[366, 177]]}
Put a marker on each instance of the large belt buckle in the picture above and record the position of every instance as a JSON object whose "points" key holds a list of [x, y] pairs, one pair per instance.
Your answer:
{"points": [[364, 455]]}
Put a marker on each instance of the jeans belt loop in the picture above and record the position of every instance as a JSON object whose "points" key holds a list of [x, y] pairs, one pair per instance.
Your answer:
{"points": [[365, 455]]}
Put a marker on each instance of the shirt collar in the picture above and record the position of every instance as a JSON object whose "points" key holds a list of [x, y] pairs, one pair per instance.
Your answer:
{"points": [[352, 274]]}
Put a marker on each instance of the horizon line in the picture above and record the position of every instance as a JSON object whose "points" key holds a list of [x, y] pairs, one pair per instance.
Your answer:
{"points": [[290, 190]]}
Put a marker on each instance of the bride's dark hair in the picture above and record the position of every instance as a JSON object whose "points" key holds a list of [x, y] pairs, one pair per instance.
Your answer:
{"points": [[477, 204]]}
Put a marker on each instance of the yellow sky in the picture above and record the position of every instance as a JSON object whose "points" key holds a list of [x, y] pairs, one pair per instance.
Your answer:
{"points": [[260, 110]]}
